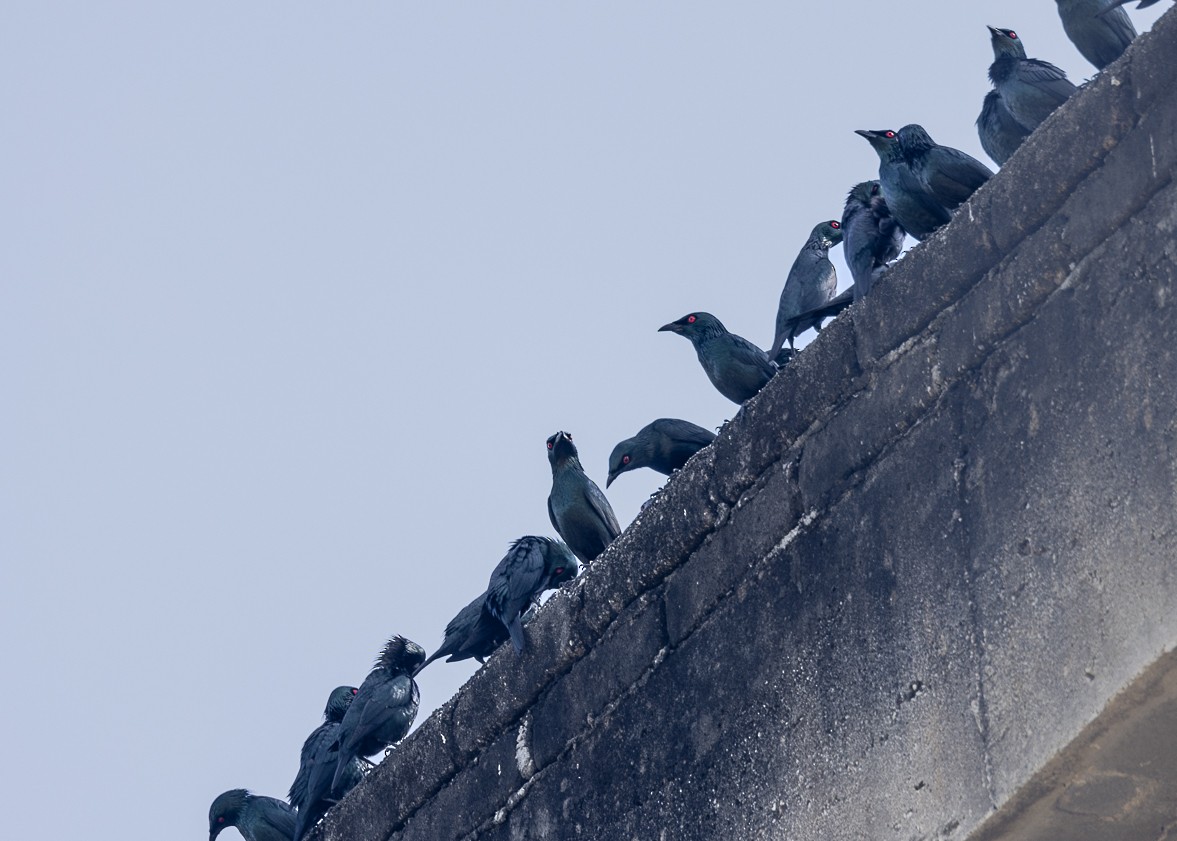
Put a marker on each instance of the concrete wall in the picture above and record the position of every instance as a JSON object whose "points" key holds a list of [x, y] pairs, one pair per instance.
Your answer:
{"points": [[906, 575]]}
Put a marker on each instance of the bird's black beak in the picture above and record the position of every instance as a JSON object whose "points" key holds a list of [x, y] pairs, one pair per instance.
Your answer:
{"points": [[861, 132], [610, 478], [673, 327], [993, 30]]}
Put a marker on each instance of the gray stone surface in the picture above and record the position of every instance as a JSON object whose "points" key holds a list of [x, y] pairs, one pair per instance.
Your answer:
{"points": [[906, 576]]}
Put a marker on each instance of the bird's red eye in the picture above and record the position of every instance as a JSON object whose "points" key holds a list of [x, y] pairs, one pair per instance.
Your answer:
{"points": [[690, 319], [559, 570], [1013, 35], [625, 459], [835, 225], [221, 819], [355, 691], [549, 445], [890, 134]]}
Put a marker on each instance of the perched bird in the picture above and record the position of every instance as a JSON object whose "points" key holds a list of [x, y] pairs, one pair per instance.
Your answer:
{"points": [[384, 708], [871, 238], [309, 792], [474, 632], [1098, 28], [910, 201], [1031, 89], [952, 176], [663, 445], [811, 283], [578, 509], [735, 366], [1000, 133], [531, 565], [784, 356], [256, 817]]}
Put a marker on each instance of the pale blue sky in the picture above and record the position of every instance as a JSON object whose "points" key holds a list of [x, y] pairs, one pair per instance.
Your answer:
{"points": [[293, 294]]}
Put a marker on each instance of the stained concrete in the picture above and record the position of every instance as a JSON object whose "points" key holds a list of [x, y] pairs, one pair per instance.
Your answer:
{"points": [[907, 575]]}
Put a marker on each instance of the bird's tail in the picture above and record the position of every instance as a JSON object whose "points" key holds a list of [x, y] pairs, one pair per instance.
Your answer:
{"points": [[517, 638]]}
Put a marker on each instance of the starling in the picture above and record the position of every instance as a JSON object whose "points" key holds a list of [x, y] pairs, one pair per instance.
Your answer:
{"points": [[1031, 89], [579, 511], [383, 709], [1000, 133], [811, 283], [531, 565], [910, 201], [735, 366], [871, 238], [256, 817], [1098, 28], [474, 632], [663, 445], [950, 175], [320, 754]]}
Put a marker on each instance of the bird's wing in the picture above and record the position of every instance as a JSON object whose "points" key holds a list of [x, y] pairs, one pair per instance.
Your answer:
{"points": [[321, 767], [819, 293], [1045, 76], [275, 820], [685, 431], [1120, 24], [745, 351], [604, 510], [519, 575], [552, 515], [298, 788], [961, 167]]}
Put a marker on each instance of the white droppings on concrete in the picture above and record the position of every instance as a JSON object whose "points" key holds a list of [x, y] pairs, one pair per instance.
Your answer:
{"points": [[806, 520], [523, 757]]}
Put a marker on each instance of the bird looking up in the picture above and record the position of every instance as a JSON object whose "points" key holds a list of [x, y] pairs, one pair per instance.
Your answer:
{"points": [[1030, 89], [578, 509]]}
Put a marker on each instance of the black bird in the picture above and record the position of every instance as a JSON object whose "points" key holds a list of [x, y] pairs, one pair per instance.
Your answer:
{"points": [[474, 632], [1000, 133], [1099, 29], [871, 238], [735, 366], [663, 445], [384, 708], [911, 202], [1031, 89], [320, 753], [578, 509], [811, 283], [951, 175], [256, 817], [531, 565]]}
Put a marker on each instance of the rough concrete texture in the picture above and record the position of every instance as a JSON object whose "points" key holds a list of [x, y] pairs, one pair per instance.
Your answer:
{"points": [[908, 573]]}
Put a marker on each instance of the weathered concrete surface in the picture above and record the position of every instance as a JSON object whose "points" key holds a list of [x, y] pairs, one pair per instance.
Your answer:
{"points": [[905, 577]]}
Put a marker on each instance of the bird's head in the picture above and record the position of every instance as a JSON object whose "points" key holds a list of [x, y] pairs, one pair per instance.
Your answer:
{"points": [[561, 448], [561, 563], [626, 456], [694, 325], [338, 702], [400, 656], [225, 811], [827, 234], [862, 193], [1005, 42], [884, 141], [914, 140]]}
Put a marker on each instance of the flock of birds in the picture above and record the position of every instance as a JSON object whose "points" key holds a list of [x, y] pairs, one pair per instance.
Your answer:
{"points": [[920, 186]]}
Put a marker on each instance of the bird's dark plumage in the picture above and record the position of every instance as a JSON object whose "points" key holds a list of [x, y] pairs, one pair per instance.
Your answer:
{"points": [[384, 708], [910, 201], [1098, 28], [256, 817], [663, 445], [310, 792], [578, 509], [871, 238], [811, 283], [1000, 133], [735, 366], [952, 176], [1143, 4], [474, 632], [1030, 89], [531, 565]]}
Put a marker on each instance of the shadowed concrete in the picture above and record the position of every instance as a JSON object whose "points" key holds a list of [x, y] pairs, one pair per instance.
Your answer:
{"points": [[905, 577]]}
